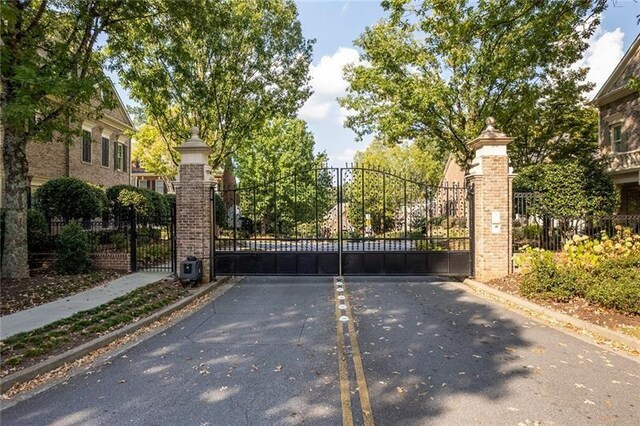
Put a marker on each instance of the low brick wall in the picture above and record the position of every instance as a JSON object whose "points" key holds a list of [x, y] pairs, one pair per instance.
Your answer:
{"points": [[111, 261]]}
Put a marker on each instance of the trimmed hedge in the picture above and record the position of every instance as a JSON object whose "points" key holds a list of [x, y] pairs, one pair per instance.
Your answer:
{"points": [[70, 199]]}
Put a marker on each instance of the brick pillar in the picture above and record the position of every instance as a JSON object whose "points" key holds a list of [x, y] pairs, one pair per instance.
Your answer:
{"points": [[491, 179], [193, 209]]}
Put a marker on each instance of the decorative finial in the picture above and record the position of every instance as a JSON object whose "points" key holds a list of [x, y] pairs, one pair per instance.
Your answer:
{"points": [[490, 131], [194, 132], [490, 121]]}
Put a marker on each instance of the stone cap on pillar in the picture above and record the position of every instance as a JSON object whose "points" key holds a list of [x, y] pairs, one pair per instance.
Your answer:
{"points": [[491, 136], [194, 150]]}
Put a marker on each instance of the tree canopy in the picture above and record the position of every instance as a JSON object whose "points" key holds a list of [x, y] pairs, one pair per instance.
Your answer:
{"points": [[155, 153], [433, 71], [383, 175], [224, 66], [569, 188], [281, 179], [51, 79]]}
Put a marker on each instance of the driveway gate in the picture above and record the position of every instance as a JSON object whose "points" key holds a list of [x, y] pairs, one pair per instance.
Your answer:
{"points": [[342, 221]]}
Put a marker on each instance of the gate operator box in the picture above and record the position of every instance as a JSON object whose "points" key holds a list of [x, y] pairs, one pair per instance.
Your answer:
{"points": [[191, 269]]}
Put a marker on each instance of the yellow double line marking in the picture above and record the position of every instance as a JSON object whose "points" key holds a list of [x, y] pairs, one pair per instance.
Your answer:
{"points": [[363, 391]]}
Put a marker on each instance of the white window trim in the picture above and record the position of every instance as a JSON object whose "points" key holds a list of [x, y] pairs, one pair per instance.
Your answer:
{"points": [[613, 118], [88, 125], [613, 143], [121, 146]]}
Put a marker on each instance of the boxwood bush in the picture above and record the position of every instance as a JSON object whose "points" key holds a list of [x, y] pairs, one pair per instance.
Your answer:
{"points": [[73, 255], [70, 199]]}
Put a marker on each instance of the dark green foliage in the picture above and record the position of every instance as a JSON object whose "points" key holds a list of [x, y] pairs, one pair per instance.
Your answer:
{"points": [[571, 188], [149, 205], [38, 237], [614, 283], [69, 199], [73, 250], [221, 212]]}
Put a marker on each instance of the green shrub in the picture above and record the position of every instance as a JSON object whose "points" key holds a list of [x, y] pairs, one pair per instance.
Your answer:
{"points": [[546, 279], [585, 252], [149, 205], [38, 237], [221, 212], [531, 231], [69, 199], [73, 250], [616, 284]]}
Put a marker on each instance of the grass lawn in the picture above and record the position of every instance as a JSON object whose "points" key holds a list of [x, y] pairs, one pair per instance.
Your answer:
{"points": [[25, 349], [44, 287]]}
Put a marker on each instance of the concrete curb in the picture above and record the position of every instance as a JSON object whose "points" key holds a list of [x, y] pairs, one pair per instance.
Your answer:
{"points": [[73, 354], [599, 331]]}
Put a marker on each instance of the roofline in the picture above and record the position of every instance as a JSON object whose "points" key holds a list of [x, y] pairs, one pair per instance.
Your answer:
{"points": [[124, 108], [618, 69]]}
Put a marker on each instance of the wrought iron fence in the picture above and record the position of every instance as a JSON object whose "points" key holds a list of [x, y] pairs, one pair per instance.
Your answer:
{"points": [[365, 209], [154, 242], [149, 243], [535, 226], [105, 236]]}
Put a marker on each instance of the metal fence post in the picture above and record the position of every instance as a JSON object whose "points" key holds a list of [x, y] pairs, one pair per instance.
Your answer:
{"points": [[133, 246]]}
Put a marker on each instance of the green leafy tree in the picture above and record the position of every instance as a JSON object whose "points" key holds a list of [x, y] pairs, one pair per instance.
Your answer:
{"points": [[377, 183], [224, 66], [278, 172], [433, 71], [156, 153], [51, 75], [568, 189]]}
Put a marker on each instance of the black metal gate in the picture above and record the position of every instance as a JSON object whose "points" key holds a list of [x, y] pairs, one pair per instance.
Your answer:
{"points": [[153, 240], [342, 221]]}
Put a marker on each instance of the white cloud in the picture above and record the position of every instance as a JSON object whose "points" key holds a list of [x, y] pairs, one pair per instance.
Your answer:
{"points": [[604, 52], [328, 83], [346, 156]]}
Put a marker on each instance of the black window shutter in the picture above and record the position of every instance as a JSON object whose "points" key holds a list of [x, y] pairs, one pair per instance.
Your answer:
{"points": [[115, 156]]}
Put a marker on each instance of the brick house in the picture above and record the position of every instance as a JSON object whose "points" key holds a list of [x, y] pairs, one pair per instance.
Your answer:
{"points": [[140, 178], [619, 128], [99, 156]]}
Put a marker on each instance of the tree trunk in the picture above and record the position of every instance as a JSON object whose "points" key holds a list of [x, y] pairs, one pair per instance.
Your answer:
{"points": [[14, 252]]}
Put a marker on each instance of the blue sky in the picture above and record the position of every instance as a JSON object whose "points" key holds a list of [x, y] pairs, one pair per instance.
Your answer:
{"points": [[335, 24]]}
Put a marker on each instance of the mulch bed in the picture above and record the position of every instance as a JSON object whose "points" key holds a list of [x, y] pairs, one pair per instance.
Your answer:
{"points": [[577, 307], [45, 286]]}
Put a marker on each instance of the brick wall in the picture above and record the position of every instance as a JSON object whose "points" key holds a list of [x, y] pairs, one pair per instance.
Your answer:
{"points": [[492, 193], [193, 215], [95, 172], [111, 261], [49, 160]]}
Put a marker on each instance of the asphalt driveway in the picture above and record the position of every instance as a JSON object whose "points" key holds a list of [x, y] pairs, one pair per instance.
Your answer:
{"points": [[266, 352]]}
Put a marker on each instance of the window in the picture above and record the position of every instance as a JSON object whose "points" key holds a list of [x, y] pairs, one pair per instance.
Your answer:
{"points": [[117, 163], [86, 146], [105, 151], [617, 139], [160, 187]]}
